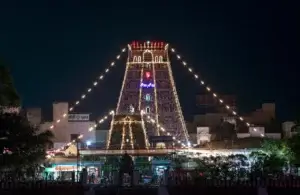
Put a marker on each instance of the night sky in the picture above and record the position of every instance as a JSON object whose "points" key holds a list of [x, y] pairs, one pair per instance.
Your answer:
{"points": [[57, 48]]}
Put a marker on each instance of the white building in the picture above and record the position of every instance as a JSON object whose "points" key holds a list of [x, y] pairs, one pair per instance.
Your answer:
{"points": [[69, 127]]}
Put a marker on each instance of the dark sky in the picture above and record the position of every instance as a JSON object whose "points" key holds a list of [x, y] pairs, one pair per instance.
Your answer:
{"points": [[57, 48]]}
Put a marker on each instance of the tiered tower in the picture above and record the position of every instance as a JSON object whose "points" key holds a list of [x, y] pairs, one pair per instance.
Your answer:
{"points": [[148, 85]]}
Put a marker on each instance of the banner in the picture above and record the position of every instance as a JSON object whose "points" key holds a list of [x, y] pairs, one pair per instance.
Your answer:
{"points": [[79, 117]]}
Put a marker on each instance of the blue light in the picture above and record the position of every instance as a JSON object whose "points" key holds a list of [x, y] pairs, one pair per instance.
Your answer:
{"points": [[147, 85]]}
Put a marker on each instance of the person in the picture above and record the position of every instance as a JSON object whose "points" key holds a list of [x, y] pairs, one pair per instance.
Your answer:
{"points": [[126, 166]]}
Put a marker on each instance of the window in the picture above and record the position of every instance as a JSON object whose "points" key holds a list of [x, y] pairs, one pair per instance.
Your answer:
{"points": [[134, 59], [147, 109], [139, 59], [148, 97], [147, 65], [156, 59], [160, 59]]}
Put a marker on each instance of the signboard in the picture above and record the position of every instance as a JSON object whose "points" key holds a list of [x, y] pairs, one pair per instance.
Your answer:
{"points": [[149, 85], [10, 110], [79, 117]]}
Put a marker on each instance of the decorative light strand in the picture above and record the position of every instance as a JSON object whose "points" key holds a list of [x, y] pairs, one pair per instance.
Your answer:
{"points": [[110, 130], [123, 83], [208, 89], [84, 95], [123, 136], [141, 88], [131, 135], [100, 121], [151, 120], [179, 109], [144, 131], [155, 97]]}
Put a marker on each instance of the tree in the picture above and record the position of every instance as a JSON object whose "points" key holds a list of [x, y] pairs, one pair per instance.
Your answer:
{"points": [[273, 156], [294, 144], [25, 145], [8, 94], [226, 132]]}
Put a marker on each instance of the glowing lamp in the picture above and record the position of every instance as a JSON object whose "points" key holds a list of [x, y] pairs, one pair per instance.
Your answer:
{"points": [[148, 75]]}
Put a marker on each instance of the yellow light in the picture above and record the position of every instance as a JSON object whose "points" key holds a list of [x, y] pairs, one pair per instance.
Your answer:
{"points": [[178, 107], [208, 89], [155, 97]]}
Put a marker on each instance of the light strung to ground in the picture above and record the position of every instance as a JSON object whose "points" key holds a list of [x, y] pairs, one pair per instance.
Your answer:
{"points": [[151, 120], [208, 89], [89, 90], [100, 121]]}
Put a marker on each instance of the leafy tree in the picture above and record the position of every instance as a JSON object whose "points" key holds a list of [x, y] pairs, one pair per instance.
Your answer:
{"points": [[226, 132], [24, 144], [273, 156], [294, 144], [8, 94]]}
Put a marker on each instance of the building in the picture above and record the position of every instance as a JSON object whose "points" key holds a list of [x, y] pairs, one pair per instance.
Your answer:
{"points": [[263, 119], [148, 85], [69, 127], [287, 128]]}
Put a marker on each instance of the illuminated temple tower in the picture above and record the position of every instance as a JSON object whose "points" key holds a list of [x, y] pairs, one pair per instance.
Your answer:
{"points": [[148, 85]]}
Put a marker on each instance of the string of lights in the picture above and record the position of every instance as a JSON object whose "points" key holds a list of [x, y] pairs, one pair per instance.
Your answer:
{"points": [[177, 101], [100, 121], [152, 121], [89, 90], [208, 89]]}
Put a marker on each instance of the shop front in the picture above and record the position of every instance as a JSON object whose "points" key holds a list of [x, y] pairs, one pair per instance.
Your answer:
{"points": [[71, 173]]}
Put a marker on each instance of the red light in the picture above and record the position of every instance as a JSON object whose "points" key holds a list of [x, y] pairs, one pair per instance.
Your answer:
{"points": [[148, 75]]}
